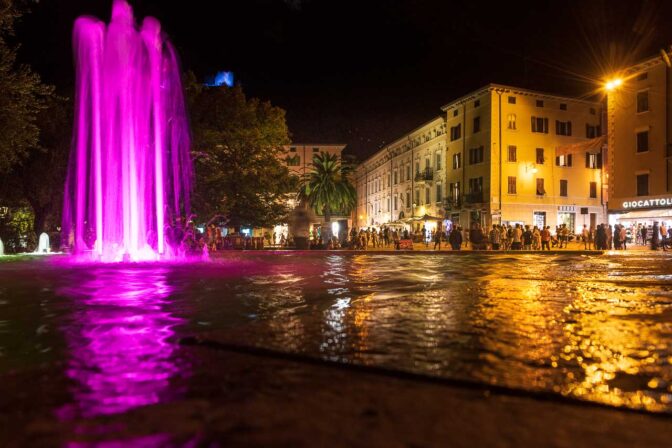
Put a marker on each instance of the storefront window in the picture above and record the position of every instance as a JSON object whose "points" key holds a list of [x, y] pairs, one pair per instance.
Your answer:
{"points": [[567, 219]]}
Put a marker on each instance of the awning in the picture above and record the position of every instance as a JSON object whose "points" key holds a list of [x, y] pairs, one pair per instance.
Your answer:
{"points": [[663, 213], [594, 146]]}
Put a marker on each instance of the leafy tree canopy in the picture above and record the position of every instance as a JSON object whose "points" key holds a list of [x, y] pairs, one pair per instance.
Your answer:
{"points": [[238, 147], [22, 96]]}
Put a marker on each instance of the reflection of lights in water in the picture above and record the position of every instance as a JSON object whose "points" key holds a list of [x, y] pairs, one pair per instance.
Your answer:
{"points": [[121, 356]]}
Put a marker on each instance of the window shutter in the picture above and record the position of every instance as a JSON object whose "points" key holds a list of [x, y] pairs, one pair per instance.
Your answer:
{"points": [[587, 160], [569, 160], [569, 128], [534, 124], [557, 160], [599, 160], [557, 127], [545, 125]]}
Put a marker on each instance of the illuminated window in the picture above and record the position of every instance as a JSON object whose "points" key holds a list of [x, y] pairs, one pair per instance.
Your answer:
{"points": [[563, 160], [457, 161], [512, 121], [593, 161]]}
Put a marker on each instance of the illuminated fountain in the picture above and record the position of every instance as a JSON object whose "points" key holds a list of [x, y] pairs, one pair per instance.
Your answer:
{"points": [[130, 172], [43, 244]]}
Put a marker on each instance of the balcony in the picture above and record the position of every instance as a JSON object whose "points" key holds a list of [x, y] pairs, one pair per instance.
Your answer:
{"points": [[474, 198], [452, 203], [426, 175]]}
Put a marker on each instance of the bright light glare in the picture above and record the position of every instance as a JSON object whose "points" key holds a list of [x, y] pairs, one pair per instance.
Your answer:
{"points": [[612, 84]]}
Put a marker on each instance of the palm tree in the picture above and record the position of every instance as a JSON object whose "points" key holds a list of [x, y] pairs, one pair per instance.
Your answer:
{"points": [[327, 188]]}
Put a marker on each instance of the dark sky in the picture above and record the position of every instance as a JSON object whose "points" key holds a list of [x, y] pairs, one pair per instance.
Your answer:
{"points": [[364, 72]]}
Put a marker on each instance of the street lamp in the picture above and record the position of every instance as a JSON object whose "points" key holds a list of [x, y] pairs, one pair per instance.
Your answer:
{"points": [[613, 84]]}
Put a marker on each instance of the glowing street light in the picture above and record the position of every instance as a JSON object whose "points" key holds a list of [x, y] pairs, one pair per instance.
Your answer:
{"points": [[613, 84]]}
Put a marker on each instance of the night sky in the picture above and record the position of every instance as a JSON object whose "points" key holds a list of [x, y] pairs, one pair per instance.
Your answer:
{"points": [[364, 72]]}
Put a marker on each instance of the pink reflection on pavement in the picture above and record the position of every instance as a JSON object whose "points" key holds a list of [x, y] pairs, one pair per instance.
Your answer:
{"points": [[121, 357]]}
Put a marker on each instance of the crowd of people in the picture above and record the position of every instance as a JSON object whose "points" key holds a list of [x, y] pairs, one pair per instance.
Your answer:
{"points": [[515, 237]]}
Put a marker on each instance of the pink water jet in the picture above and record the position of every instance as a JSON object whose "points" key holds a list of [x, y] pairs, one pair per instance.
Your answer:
{"points": [[130, 171]]}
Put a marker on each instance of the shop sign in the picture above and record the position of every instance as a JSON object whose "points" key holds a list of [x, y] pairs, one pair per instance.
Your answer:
{"points": [[644, 203]]}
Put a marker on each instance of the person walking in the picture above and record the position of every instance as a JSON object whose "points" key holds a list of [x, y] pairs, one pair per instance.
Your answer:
{"points": [[437, 239], [585, 235], [527, 238], [495, 237], [546, 238], [455, 238]]}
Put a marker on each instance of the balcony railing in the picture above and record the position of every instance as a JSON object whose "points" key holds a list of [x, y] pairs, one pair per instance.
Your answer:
{"points": [[474, 198], [425, 175], [452, 203]]}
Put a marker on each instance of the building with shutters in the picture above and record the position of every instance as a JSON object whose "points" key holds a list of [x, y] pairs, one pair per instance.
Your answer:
{"points": [[640, 144], [499, 154]]}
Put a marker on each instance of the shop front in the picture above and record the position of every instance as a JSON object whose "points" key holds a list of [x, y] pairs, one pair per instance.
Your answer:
{"points": [[642, 211]]}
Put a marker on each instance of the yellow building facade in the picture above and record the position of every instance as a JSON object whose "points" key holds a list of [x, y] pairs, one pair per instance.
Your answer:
{"points": [[640, 145], [498, 156]]}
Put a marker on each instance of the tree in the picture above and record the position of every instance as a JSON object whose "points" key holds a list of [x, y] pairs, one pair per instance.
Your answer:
{"points": [[22, 96], [238, 150], [327, 188]]}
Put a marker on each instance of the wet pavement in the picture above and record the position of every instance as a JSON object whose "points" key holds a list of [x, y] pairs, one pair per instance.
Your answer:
{"points": [[85, 350]]}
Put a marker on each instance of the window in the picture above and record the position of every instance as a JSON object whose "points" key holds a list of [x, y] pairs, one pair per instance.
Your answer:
{"points": [[455, 132], [417, 197], [563, 160], [642, 185], [477, 103], [592, 131], [593, 190], [395, 203], [476, 185], [642, 76], [427, 196], [408, 172], [292, 149], [540, 124], [475, 155], [540, 156], [417, 167], [540, 187], [395, 180], [439, 195], [455, 112], [563, 106], [643, 141], [512, 100], [427, 163], [540, 103], [408, 199], [315, 149], [454, 192], [563, 188], [477, 124], [512, 121], [438, 161], [457, 161], [563, 127], [593, 161], [512, 153], [592, 111], [293, 161], [642, 101], [512, 185]]}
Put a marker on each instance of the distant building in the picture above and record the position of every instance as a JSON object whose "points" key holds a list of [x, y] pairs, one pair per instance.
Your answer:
{"points": [[640, 144], [299, 156], [497, 155]]}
